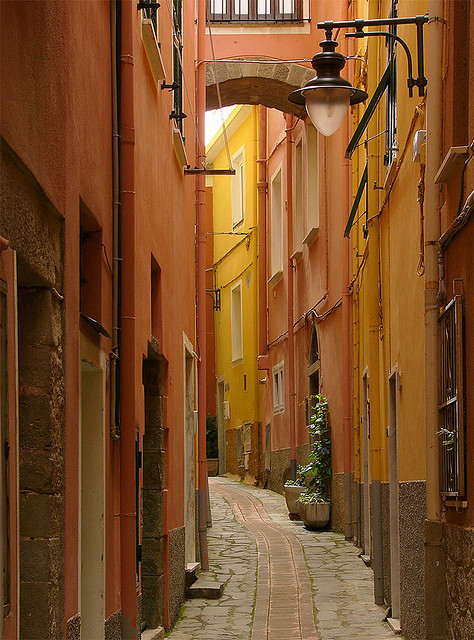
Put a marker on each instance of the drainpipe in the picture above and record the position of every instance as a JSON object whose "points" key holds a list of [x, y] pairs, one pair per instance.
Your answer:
{"points": [[374, 284], [113, 358], [291, 335], [262, 186], [434, 554], [346, 356], [346, 336], [128, 515], [201, 286]]}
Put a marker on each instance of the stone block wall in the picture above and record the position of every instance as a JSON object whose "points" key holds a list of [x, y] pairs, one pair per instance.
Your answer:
{"points": [[176, 571], [412, 513], [280, 469], [35, 231], [459, 546], [154, 483]]}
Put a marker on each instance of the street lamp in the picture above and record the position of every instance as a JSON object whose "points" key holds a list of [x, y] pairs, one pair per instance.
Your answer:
{"points": [[328, 96]]}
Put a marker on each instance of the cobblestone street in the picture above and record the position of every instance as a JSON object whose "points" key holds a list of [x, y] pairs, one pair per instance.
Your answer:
{"points": [[282, 582]]}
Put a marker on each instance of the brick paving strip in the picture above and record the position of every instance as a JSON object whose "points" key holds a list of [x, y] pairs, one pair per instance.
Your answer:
{"points": [[275, 569], [284, 605]]}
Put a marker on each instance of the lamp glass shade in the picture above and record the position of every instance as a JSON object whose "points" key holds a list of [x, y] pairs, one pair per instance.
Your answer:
{"points": [[327, 107]]}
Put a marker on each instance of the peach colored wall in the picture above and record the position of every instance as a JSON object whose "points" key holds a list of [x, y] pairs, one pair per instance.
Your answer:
{"points": [[293, 42], [56, 115], [316, 274]]}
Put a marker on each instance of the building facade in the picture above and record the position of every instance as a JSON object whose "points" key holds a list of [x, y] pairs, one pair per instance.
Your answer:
{"points": [[98, 316], [235, 283]]}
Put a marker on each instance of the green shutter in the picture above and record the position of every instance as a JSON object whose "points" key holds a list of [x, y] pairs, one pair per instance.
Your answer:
{"points": [[364, 121], [355, 206]]}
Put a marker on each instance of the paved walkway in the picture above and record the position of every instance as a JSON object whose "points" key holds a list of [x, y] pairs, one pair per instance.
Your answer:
{"points": [[282, 582]]}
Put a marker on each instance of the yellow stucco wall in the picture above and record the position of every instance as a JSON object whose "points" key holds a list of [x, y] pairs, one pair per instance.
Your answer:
{"points": [[388, 292], [235, 261]]}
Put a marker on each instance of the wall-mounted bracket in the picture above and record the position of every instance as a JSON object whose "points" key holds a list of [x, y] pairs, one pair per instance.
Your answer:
{"points": [[148, 5], [216, 298], [359, 25]]}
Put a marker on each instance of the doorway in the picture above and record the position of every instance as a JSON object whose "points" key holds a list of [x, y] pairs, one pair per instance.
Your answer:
{"points": [[190, 459], [92, 502], [366, 462], [314, 366], [393, 477], [221, 425]]}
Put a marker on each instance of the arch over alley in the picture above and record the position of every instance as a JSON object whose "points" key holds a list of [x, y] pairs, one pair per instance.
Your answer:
{"points": [[255, 80]]}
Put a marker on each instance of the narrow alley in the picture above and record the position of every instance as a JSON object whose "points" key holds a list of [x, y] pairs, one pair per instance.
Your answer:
{"points": [[281, 581]]}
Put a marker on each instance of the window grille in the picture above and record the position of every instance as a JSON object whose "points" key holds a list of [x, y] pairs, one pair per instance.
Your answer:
{"points": [[451, 400], [177, 113], [258, 10]]}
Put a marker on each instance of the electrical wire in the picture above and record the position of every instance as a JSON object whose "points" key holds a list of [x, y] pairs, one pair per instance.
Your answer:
{"points": [[219, 97]]}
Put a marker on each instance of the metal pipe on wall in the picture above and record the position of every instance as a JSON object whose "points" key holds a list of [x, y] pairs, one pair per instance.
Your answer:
{"points": [[291, 335], [374, 285], [128, 507], [114, 376], [346, 342], [434, 552], [262, 186], [200, 92]]}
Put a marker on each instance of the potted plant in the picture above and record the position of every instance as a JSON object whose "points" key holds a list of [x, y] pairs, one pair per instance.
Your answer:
{"points": [[316, 473], [293, 489], [212, 450]]}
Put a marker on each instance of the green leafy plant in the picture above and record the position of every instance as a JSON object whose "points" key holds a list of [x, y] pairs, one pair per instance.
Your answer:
{"points": [[299, 482], [311, 496], [449, 438], [212, 449], [316, 473]]}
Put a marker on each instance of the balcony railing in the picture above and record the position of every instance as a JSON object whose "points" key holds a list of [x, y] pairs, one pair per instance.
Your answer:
{"points": [[245, 11]]}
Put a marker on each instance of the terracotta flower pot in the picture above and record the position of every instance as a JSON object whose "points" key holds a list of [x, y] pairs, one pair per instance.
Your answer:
{"points": [[212, 466], [315, 515], [292, 494]]}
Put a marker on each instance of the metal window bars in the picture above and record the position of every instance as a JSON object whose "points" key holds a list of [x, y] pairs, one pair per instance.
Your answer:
{"points": [[251, 11], [451, 400]]}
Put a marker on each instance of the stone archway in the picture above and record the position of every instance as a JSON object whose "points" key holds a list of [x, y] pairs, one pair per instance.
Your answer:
{"points": [[255, 81]]}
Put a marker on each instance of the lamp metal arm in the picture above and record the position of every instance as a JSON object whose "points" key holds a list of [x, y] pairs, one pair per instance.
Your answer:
{"points": [[419, 21], [411, 81]]}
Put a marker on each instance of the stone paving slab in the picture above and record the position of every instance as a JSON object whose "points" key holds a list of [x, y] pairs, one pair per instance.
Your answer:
{"points": [[340, 585]]}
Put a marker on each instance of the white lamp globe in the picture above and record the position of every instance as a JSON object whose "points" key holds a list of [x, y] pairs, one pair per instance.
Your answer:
{"points": [[327, 107]]}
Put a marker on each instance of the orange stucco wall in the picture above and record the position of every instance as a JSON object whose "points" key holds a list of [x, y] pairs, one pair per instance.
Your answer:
{"points": [[57, 117]]}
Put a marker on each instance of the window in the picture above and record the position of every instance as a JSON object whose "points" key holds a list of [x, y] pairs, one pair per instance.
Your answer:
{"points": [[236, 322], [299, 199], [276, 214], [177, 113], [156, 301], [4, 470], [451, 399], [258, 10], [312, 181], [278, 388], [238, 187]]}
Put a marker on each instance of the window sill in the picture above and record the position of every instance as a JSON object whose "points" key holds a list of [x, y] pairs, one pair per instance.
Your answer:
{"points": [[276, 278], [311, 236], [390, 175], [297, 255], [178, 146], [152, 50], [237, 362], [455, 503]]}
